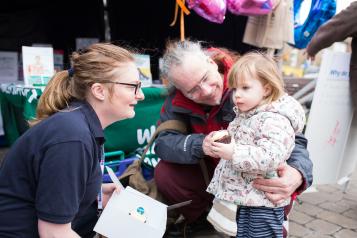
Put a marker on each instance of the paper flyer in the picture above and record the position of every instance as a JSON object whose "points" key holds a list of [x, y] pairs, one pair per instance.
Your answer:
{"points": [[38, 65]]}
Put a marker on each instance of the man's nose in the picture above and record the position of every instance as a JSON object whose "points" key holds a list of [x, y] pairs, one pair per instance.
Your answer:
{"points": [[206, 89]]}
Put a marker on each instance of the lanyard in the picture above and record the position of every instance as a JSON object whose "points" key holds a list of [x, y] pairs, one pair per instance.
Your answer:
{"points": [[100, 194]]}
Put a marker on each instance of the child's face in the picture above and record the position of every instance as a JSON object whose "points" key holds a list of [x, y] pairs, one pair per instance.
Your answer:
{"points": [[249, 93]]}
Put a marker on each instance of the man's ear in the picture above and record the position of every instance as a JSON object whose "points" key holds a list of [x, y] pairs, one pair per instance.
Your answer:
{"points": [[267, 90], [98, 91]]}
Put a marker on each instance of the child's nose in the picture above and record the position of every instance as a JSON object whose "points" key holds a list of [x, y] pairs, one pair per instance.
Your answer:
{"points": [[236, 94]]}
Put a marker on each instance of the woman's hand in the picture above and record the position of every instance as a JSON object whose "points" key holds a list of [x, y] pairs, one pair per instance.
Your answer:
{"points": [[108, 189], [281, 188]]}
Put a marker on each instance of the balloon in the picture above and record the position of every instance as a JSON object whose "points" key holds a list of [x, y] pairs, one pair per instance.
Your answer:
{"points": [[250, 7], [320, 12], [212, 10]]}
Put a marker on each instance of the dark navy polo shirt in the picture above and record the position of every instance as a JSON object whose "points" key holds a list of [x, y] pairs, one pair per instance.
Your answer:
{"points": [[52, 172]]}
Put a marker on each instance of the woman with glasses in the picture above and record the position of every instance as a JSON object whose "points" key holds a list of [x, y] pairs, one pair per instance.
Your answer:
{"points": [[51, 178], [201, 99]]}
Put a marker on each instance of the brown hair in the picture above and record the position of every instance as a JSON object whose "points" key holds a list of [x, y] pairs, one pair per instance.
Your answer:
{"points": [[94, 64], [261, 66]]}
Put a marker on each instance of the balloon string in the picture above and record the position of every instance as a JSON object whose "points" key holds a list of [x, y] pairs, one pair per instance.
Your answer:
{"points": [[175, 17], [182, 26], [184, 10]]}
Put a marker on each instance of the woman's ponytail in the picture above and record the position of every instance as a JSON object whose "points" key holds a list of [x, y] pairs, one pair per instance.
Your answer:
{"points": [[55, 97]]}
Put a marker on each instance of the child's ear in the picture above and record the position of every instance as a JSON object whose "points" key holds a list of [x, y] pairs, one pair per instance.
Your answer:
{"points": [[267, 90]]}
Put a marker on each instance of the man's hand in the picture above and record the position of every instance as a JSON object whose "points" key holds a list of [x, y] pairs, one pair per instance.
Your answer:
{"points": [[279, 189], [207, 145], [308, 56], [108, 189]]}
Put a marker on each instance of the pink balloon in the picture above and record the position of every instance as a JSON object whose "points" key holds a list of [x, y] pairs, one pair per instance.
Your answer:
{"points": [[212, 10], [250, 7]]}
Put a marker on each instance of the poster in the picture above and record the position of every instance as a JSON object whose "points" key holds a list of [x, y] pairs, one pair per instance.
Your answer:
{"points": [[330, 119], [37, 65], [143, 64], [8, 67]]}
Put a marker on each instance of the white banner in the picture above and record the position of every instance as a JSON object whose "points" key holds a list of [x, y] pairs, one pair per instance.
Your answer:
{"points": [[330, 119]]}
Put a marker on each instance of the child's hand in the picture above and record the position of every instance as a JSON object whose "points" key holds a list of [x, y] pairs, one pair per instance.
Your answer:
{"points": [[224, 151]]}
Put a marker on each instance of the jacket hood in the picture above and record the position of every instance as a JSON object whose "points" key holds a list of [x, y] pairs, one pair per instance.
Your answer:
{"points": [[286, 106]]}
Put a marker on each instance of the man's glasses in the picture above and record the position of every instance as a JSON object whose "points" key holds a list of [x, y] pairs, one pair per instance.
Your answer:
{"points": [[136, 86], [195, 92], [204, 82]]}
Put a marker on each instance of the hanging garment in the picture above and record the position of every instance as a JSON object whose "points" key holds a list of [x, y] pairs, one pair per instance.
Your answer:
{"points": [[272, 30]]}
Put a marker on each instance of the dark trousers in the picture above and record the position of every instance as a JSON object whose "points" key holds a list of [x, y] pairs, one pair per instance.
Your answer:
{"points": [[178, 183]]}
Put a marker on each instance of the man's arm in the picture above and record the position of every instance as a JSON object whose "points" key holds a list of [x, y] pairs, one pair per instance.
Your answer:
{"points": [[300, 160], [336, 29], [174, 146], [179, 148]]}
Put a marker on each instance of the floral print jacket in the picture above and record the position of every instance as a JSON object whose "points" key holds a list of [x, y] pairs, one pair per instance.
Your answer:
{"points": [[264, 138]]}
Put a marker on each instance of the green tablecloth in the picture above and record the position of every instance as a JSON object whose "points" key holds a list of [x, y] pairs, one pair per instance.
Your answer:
{"points": [[18, 104]]}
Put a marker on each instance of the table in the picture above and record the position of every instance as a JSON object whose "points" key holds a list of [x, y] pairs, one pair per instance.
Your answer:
{"points": [[19, 102]]}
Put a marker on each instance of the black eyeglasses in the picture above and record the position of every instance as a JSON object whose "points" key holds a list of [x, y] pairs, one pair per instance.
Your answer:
{"points": [[137, 86]]}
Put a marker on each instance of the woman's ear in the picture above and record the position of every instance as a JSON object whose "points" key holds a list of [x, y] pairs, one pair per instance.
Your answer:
{"points": [[98, 91], [267, 90]]}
